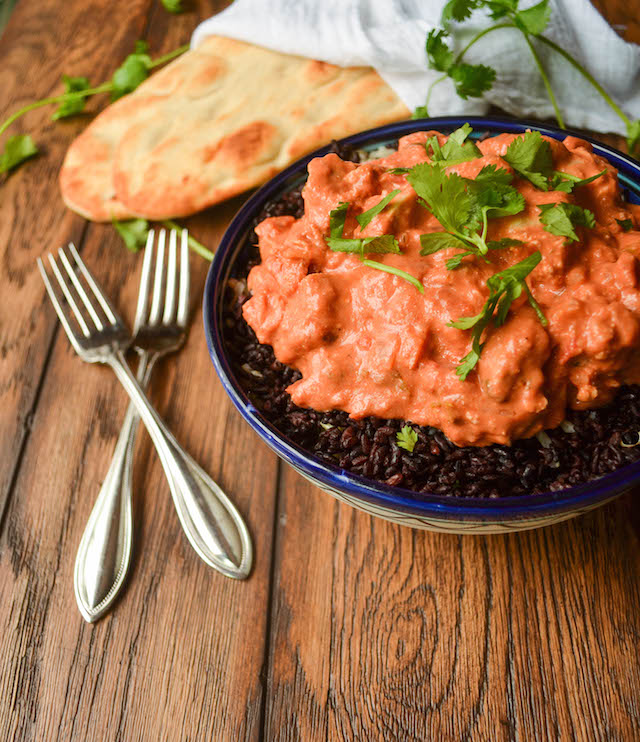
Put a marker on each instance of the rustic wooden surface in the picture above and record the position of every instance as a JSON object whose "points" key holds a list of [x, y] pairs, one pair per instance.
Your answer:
{"points": [[349, 628]]}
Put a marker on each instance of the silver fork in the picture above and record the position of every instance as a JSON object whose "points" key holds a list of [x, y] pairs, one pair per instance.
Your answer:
{"points": [[211, 522], [104, 553]]}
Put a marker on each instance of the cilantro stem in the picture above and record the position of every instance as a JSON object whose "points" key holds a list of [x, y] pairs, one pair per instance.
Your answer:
{"points": [[545, 79], [458, 59], [588, 77], [168, 57], [395, 271], [431, 87], [196, 246], [104, 88], [478, 36]]}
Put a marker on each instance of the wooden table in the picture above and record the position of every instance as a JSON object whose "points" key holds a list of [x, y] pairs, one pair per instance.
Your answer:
{"points": [[349, 628]]}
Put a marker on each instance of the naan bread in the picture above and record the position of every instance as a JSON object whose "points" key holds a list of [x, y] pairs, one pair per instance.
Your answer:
{"points": [[220, 119]]}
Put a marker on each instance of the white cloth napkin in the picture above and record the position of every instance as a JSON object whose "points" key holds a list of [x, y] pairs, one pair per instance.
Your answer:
{"points": [[389, 35]]}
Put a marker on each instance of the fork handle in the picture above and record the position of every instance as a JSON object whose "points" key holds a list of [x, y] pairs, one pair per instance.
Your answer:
{"points": [[104, 554], [210, 520]]}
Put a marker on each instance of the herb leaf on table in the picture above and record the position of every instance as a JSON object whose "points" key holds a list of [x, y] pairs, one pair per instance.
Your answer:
{"points": [[72, 106], [17, 149]]}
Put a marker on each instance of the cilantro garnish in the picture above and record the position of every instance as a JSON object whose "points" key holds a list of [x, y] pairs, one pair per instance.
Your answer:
{"points": [[475, 80], [173, 6], [504, 288], [561, 219], [16, 150], [463, 206], [470, 80], [72, 106], [407, 438], [455, 150], [126, 78], [398, 170], [380, 244], [566, 182], [530, 156], [366, 217], [134, 70], [337, 218], [626, 224], [133, 232]]}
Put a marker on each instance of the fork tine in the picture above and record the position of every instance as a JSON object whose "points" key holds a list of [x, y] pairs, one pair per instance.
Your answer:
{"points": [[69, 296], [62, 316], [154, 315], [183, 301], [172, 279], [106, 305], [143, 292], [80, 289]]}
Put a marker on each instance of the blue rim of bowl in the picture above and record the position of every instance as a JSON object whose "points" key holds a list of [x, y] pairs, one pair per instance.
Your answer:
{"points": [[450, 507]]}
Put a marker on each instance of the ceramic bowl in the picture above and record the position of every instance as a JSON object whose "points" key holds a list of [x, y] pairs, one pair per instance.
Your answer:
{"points": [[434, 512]]}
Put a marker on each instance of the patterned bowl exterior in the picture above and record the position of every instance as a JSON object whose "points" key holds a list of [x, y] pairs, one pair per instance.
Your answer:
{"points": [[432, 512]]}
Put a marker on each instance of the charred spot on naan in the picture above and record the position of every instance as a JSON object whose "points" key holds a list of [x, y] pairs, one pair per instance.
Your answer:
{"points": [[254, 143]]}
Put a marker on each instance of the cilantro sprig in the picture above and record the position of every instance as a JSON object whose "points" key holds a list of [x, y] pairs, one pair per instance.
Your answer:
{"points": [[361, 246], [504, 288], [134, 70], [134, 234], [463, 207], [475, 80], [458, 148], [530, 156], [562, 219], [407, 438]]}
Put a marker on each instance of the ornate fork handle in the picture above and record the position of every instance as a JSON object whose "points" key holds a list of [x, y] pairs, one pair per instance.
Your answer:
{"points": [[212, 524], [105, 550]]}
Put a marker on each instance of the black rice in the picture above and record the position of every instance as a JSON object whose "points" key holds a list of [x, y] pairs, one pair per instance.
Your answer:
{"points": [[589, 444]]}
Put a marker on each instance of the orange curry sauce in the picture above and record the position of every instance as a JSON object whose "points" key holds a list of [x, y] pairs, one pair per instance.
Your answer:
{"points": [[370, 343]]}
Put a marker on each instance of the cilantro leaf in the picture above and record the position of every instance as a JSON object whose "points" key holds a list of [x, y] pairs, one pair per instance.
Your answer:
{"points": [[398, 170], [173, 6], [439, 55], [380, 244], [504, 242], [396, 272], [17, 149], [337, 218], [500, 8], [74, 105], [133, 71], [560, 219], [366, 217], [458, 10], [455, 149], [134, 233], [533, 20], [530, 157], [626, 224], [472, 80], [445, 194], [504, 288], [566, 182], [407, 438], [435, 241]]}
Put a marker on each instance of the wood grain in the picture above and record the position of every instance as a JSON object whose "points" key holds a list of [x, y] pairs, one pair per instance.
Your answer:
{"points": [[529, 636]]}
